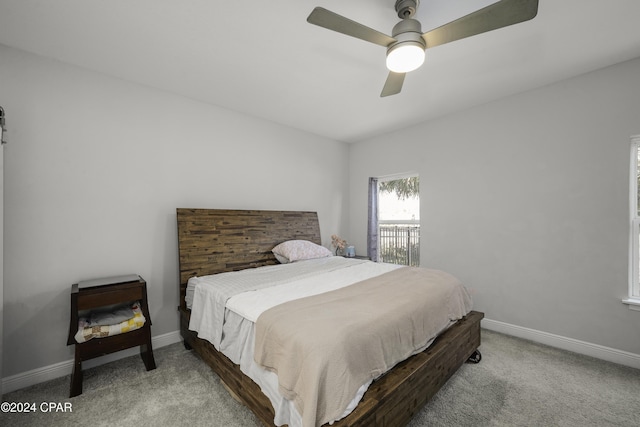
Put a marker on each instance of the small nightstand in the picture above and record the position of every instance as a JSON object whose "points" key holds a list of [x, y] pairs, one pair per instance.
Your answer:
{"points": [[93, 294]]}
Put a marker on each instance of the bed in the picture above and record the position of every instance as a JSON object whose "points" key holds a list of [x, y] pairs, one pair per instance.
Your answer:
{"points": [[213, 241]]}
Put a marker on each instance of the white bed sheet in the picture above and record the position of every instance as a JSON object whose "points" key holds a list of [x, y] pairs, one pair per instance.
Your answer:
{"points": [[251, 304], [207, 296]]}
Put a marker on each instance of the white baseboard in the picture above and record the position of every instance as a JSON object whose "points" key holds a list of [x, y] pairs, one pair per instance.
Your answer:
{"points": [[564, 343], [57, 370]]}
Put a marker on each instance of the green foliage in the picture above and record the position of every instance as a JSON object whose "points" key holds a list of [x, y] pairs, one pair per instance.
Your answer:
{"points": [[400, 244], [404, 188], [400, 255]]}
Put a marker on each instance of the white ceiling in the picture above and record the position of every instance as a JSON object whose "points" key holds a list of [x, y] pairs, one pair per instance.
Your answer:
{"points": [[262, 58]]}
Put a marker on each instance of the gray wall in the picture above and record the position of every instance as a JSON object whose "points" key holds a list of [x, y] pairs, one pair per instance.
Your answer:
{"points": [[94, 171], [526, 200]]}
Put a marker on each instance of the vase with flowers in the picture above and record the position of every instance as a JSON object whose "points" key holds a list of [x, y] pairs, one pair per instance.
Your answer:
{"points": [[338, 243]]}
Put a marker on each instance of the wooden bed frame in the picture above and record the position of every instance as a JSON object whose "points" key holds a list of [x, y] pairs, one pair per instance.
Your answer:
{"points": [[212, 241]]}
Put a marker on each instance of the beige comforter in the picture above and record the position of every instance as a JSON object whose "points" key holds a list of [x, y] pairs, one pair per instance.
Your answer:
{"points": [[325, 347]]}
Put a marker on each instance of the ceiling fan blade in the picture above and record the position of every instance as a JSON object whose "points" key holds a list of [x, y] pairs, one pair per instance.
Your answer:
{"points": [[393, 85], [332, 21], [492, 17]]}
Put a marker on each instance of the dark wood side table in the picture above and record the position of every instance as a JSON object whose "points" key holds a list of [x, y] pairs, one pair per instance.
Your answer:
{"points": [[93, 294]]}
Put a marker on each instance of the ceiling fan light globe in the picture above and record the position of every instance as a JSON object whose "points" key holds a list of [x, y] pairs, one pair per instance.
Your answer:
{"points": [[405, 57]]}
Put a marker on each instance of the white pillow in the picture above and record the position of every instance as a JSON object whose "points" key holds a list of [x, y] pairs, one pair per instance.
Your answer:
{"points": [[297, 250]]}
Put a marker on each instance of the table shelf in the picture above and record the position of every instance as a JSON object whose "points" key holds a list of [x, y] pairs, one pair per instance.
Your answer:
{"points": [[100, 293]]}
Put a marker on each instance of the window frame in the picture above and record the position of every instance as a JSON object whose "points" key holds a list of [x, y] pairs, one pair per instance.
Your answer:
{"points": [[633, 299]]}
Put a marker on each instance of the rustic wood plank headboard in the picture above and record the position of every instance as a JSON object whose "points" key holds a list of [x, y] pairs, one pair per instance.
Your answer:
{"points": [[213, 241]]}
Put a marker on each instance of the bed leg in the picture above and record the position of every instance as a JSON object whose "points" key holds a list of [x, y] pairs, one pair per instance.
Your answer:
{"points": [[475, 357], [187, 345]]}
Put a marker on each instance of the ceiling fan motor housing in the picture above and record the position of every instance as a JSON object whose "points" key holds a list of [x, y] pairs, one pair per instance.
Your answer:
{"points": [[405, 31], [406, 8]]}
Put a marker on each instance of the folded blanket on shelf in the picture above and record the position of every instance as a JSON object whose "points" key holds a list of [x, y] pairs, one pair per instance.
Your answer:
{"points": [[111, 316], [91, 326]]}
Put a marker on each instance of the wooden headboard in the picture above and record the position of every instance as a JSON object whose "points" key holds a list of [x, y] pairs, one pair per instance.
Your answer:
{"points": [[213, 241]]}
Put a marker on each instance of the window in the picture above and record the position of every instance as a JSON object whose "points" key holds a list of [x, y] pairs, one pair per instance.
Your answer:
{"points": [[634, 245], [396, 230]]}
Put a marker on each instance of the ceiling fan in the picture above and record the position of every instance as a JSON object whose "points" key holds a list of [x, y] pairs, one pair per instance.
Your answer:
{"points": [[407, 44]]}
